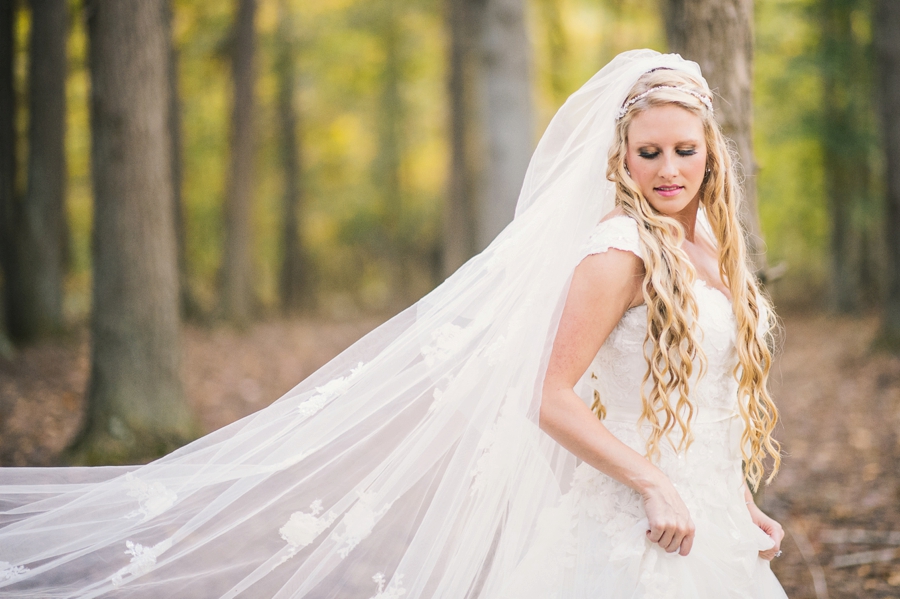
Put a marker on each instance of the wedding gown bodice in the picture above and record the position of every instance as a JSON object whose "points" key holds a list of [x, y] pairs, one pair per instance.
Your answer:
{"points": [[618, 369]]}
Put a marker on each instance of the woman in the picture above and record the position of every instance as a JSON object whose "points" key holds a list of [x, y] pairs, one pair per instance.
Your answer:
{"points": [[413, 464], [658, 288]]}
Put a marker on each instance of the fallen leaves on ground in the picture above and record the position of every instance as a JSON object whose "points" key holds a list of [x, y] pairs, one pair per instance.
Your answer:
{"points": [[839, 401]]}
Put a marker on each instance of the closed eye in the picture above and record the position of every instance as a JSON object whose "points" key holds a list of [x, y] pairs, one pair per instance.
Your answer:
{"points": [[686, 152], [648, 155]]}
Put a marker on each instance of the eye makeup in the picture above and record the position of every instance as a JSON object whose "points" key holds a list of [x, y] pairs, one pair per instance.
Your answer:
{"points": [[650, 154]]}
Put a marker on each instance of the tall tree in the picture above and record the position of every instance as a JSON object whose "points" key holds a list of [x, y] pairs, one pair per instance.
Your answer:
{"points": [[459, 221], [718, 35], [295, 280], [887, 48], [35, 287], [847, 138], [188, 304], [387, 167], [490, 110], [7, 153], [136, 408], [506, 107], [237, 280]]}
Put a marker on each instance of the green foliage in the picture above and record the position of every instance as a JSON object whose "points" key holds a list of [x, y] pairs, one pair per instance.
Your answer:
{"points": [[787, 99], [359, 235], [588, 35], [816, 134]]}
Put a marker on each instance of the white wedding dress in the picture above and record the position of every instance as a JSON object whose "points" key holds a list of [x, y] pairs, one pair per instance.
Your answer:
{"points": [[594, 544]]}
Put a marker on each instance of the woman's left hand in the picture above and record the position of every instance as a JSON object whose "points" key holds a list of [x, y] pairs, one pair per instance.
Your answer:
{"points": [[768, 526]]}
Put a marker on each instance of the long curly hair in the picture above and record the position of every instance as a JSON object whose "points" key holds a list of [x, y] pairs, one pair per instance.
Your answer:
{"points": [[673, 346]]}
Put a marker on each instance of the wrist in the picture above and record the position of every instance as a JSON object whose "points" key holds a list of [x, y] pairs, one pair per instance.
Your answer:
{"points": [[650, 482]]}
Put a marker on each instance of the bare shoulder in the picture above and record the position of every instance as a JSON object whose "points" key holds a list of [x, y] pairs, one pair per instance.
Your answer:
{"points": [[603, 288], [614, 274], [615, 212]]}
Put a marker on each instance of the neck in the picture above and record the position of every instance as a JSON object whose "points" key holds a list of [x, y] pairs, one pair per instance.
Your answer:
{"points": [[688, 218]]}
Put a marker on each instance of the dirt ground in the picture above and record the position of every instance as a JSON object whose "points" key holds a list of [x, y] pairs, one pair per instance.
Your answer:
{"points": [[838, 493]]}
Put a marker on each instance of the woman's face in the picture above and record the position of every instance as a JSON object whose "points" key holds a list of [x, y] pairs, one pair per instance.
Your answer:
{"points": [[667, 157]]}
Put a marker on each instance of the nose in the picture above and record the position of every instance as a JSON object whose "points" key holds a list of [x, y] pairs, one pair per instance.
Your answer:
{"points": [[668, 169]]}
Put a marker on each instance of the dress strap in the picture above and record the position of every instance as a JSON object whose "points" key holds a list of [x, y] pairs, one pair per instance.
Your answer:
{"points": [[619, 232]]}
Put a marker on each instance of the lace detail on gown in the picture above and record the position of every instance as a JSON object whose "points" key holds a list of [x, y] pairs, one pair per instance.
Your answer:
{"points": [[594, 543], [619, 232]]}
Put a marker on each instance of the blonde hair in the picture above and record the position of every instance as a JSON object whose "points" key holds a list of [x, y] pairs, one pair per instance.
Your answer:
{"points": [[668, 292]]}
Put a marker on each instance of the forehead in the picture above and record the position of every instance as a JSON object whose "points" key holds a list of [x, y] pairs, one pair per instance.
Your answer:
{"points": [[669, 123]]}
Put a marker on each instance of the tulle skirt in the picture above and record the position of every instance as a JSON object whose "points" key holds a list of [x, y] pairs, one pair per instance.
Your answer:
{"points": [[594, 545]]}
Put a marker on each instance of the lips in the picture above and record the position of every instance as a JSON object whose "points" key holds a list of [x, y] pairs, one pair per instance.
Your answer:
{"points": [[667, 191]]}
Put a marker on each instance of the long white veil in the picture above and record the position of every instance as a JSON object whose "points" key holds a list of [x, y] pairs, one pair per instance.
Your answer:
{"points": [[411, 464]]}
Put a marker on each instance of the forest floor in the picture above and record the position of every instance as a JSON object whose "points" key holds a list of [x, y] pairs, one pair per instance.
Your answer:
{"points": [[838, 493]]}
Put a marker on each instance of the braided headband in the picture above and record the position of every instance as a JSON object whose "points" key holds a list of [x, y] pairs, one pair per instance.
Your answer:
{"points": [[624, 110]]}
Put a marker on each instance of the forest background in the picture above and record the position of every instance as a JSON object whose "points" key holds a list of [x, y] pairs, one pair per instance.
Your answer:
{"points": [[348, 55], [174, 161]]}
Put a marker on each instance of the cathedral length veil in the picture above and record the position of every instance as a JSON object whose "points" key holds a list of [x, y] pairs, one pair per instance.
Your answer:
{"points": [[411, 465]]}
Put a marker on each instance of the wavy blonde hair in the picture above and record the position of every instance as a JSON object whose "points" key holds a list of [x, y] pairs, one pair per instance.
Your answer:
{"points": [[668, 288]]}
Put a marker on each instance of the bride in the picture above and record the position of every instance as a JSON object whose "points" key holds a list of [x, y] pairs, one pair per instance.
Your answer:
{"points": [[577, 412]]}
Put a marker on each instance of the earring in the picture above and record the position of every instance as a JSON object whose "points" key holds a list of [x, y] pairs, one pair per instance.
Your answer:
{"points": [[628, 172]]}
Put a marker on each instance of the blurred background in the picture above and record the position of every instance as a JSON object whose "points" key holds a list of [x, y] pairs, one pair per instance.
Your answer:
{"points": [[203, 202]]}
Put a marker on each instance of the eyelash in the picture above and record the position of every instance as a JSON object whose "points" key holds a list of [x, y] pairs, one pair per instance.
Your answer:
{"points": [[652, 155]]}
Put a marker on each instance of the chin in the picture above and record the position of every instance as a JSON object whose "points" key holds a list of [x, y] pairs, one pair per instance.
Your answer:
{"points": [[670, 207]]}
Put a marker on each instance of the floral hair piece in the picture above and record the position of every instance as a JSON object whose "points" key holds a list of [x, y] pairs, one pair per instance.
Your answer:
{"points": [[624, 110]]}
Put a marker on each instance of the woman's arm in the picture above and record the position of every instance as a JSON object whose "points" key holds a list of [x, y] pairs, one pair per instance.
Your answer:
{"points": [[767, 524], [603, 287]]}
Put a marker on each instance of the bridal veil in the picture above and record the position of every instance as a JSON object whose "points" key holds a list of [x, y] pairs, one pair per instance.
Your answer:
{"points": [[411, 465]]}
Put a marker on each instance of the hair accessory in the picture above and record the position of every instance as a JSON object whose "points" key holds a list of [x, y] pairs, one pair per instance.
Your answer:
{"points": [[624, 110]]}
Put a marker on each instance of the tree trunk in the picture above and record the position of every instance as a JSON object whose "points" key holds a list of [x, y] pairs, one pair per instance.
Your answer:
{"points": [[136, 410], [459, 222], [388, 163], [7, 156], [718, 35], [187, 303], [887, 47], [237, 280], [296, 293], [35, 293], [846, 106], [506, 107]]}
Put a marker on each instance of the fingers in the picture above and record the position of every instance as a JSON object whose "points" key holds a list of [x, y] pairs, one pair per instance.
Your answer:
{"points": [[686, 544], [667, 539], [670, 524], [673, 537], [655, 533], [769, 554], [776, 533], [683, 540]]}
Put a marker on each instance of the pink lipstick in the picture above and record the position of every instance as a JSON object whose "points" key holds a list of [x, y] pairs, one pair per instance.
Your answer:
{"points": [[667, 191]]}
